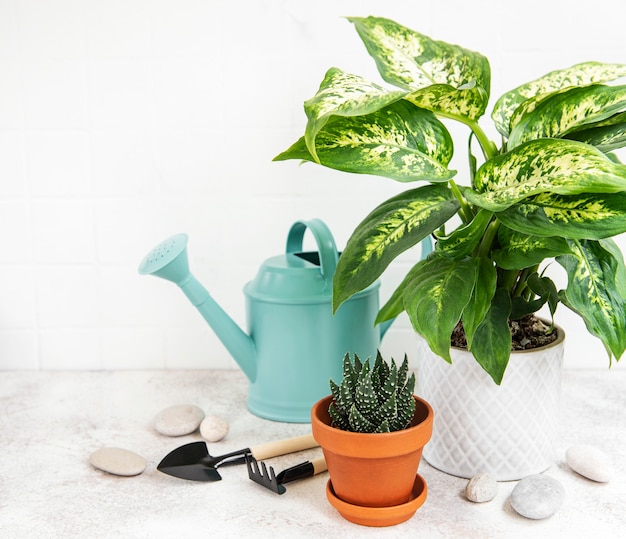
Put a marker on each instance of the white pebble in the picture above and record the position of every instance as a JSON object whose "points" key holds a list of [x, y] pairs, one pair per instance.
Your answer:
{"points": [[537, 496], [213, 428], [590, 462], [178, 420], [481, 488], [117, 461]]}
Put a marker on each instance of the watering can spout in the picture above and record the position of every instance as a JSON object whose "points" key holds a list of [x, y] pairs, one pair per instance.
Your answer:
{"points": [[168, 260]]}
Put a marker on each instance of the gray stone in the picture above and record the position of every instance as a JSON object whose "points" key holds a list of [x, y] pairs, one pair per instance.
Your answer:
{"points": [[213, 428], [178, 420], [117, 461], [481, 488], [537, 496], [590, 462]]}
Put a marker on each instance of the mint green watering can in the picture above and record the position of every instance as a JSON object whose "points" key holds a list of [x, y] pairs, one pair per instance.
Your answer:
{"points": [[295, 344]]}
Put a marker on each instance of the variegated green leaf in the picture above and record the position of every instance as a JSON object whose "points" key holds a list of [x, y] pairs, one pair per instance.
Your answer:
{"points": [[482, 295], [584, 216], [521, 250], [464, 239], [607, 135], [577, 75], [436, 298], [543, 291], [492, 341], [393, 227], [401, 142], [411, 60], [343, 94], [395, 304], [563, 112], [467, 102], [544, 165], [613, 249], [592, 292]]}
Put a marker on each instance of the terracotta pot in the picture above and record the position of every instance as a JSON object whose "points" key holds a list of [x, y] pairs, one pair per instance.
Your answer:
{"points": [[373, 470], [508, 430]]}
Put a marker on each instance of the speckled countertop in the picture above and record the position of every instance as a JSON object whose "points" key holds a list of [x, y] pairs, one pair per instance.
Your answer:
{"points": [[50, 422]]}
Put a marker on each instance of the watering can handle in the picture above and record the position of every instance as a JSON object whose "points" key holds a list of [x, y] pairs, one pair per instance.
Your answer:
{"points": [[325, 244]]}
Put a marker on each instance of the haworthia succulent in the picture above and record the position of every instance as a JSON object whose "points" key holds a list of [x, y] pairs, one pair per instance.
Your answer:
{"points": [[380, 401], [578, 75], [545, 165]]}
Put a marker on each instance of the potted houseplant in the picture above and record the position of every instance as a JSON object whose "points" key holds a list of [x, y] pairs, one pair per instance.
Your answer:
{"points": [[372, 430], [550, 190]]}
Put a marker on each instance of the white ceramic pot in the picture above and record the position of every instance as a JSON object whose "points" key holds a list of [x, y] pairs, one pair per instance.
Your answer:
{"points": [[509, 430]]}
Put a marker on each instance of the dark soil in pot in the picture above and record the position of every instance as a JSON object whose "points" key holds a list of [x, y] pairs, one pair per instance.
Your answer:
{"points": [[527, 333]]}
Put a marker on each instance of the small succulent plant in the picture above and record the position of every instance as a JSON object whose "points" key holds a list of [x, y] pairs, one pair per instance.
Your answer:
{"points": [[373, 399]]}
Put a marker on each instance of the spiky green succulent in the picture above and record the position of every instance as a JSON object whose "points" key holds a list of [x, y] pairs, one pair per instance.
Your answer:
{"points": [[373, 399]]}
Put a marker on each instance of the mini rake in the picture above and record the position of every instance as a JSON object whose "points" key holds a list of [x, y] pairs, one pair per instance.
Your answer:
{"points": [[268, 478]]}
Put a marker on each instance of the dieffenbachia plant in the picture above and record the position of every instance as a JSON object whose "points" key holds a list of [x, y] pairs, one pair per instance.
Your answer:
{"points": [[551, 190]]}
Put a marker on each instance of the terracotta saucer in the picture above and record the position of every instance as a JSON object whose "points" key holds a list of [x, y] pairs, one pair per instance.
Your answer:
{"points": [[380, 516]]}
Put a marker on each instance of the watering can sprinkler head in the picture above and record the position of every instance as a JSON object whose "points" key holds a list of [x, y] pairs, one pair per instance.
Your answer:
{"points": [[168, 260]]}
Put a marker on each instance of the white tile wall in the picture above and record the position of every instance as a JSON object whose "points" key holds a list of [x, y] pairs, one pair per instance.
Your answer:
{"points": [[125, 121]]}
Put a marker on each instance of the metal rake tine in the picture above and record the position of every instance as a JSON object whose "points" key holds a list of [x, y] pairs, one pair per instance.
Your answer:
{"points": [[262, 477]]}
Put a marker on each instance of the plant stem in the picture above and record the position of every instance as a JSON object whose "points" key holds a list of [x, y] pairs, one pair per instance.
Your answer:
{"points": [[466, 211], [488, 238], [489, 149]]}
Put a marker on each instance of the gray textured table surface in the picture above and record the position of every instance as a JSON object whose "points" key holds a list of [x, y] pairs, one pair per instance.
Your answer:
{"points": [[50, 422]]}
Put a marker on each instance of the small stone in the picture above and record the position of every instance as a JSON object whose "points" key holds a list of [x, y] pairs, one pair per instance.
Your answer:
{"points": [[117, 461], [537, 496], [178, 420], [481, 488], [590, 462], [213, 428]]}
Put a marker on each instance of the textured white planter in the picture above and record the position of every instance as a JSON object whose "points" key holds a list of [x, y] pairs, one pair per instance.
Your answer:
{"points": [[509, 430]]}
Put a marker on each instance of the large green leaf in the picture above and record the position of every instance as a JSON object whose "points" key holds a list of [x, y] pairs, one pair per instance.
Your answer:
{"points": [[482, 295], [436, 297], [521, 250], [412, 60], [567, 111], [559, 166], [393, 227], [492, 341], [395, 304], [462, 241], [343, 94], [607, 135], [584, 216], [400, 141], [577, 75], [543, 290], [467, 102], [593, 293]]}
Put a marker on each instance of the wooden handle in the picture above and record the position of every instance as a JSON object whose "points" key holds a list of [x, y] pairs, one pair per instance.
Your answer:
{"points": [[283, 447], [319, 465]]}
